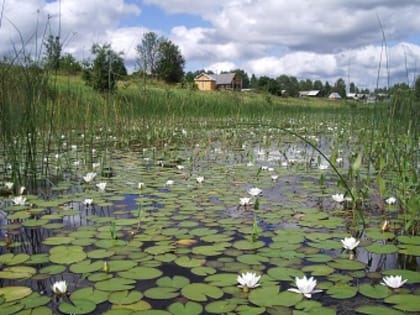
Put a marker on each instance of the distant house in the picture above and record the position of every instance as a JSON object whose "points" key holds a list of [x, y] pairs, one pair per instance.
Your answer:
{"points": [[334, 96], [225, 81], [311, 93]]}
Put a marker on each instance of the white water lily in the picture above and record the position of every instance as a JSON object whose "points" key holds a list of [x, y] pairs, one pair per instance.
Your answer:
{"points": [[19, 201], [391, 200], [180, 167], [95, 165], [101, 186], [274, 177], [169, 182], [89, 177], [8, 185], [22, 190], [244, 201], [200, 179], [88, 202], [254, 191], [248, 281], [322, 166], [393, 282], [140, 185], [305, 286], [338, 198], [59, 287], [350, 243]]}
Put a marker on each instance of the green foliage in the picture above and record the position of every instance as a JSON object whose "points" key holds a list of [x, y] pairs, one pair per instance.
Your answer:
{"points": [[53, 48], [417, 88], [170, 66], [148, 53], [108, 67]]}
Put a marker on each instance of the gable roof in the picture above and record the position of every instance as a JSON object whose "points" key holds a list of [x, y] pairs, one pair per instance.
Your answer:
{"points": [[224, 78]]}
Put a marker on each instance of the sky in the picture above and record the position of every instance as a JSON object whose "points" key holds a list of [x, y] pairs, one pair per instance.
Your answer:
{"points": [[362, 41]]}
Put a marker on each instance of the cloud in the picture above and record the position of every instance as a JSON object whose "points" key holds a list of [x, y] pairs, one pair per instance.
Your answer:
{"points": [[219, 67]]}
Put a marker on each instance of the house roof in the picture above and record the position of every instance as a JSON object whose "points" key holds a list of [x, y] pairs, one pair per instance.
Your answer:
{"points": [[309, 93], [224, 78], [334, 95]]}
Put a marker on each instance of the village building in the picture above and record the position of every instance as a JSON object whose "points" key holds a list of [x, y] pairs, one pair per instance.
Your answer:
{"points": [[225, 81], [311, 93]]}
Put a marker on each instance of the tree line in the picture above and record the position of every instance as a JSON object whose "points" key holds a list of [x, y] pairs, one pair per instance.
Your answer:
{"points": [[161, 59]]}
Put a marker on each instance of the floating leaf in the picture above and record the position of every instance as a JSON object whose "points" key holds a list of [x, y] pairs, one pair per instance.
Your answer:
{"points": [[121, 265], [222, 279], [377, 309], [141, 273], [58, 240], [53, 269], [89, 293], [284, 274], [346, 264], [125, 297], [270, 296], [17, 272], [342, 291], [318, 270], [377, 248], [161, 293], [115, 284], [10, 259], [100, 253], [189, 308], [201, 292], [86, 266], [67, 255], [221, 307], [14, 293], [405, 302], [187, 262], [374, 292], [78, 306], [35, 300], [174, 282]]}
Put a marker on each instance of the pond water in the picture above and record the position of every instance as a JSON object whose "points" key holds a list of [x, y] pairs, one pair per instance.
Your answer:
{"points": [[175, 244]]}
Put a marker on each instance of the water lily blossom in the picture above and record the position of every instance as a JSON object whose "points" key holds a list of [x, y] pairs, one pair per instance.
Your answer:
{"points": [[200, 179], [305, 286], [19, 201], [88, 202], [169, 182], [338, 198], [9, 185], [255, 191], [248, 281], [101, 186], [89, 177], [140, 185], [391, 200], [244, 201], [350, 243], [59, 288], [394, 282]]}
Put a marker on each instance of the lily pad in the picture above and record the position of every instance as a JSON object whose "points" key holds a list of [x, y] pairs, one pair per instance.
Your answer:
{"points": [[284, 274], [405, 302], [14, 293], [189, 308], [86, 266], [377, 309], [17, 272], [89, 293], [78, 306], [185, 261], [141, 273], [67, 255], [342, 291], [374, 292], [377, 248], [346, 264], [115, 284], [125, 297], [11, 259], [174, 282], [221, 307], [270, 296], [201, 292], [161, 293]]}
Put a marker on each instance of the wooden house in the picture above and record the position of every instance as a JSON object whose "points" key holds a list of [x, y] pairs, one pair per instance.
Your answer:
{"points": [[225, 81]]}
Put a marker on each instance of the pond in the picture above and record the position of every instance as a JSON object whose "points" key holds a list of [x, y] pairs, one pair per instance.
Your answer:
{"points": [[168, 230]]}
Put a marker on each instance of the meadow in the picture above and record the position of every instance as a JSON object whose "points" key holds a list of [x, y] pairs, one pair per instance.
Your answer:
{"points": [[155, 199]]}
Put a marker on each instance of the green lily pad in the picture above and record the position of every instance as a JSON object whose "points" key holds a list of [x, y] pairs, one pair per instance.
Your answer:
{"points": [[189, 308], [58, 240], [100, 253], [346, 264], [40, 310], [53, 269], [249, 310], [11, 259], [200, 292], [411, 240], [11, 309], [318, 270], [161, 293], [141, 273], [175, 282], [251, 259], [405, 302], [17, 272], [342, 291], [248, 245], [222, 279], [115, 284], [203, 271], [67, 255], [411, 250], [377, 248], [125, 297], [14, 293], [121, 265], [78, 306], [35, 300], [89, 293], [270, 296], [86, 266], [284, 274], [377, 309], [374, 292], [221, 307], [187, 262]]}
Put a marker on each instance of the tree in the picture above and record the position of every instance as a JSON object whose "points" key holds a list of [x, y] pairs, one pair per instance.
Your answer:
{"points": [[417, 88], [170, 62], [340, 87], [108, 66], [53, 49], [148, 53], [244, 77], [253, 82], [69, 65]]}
